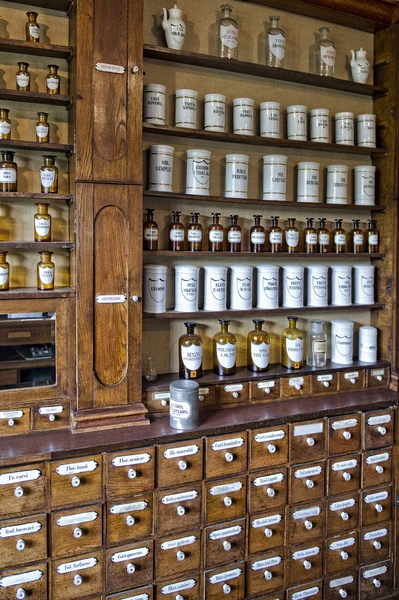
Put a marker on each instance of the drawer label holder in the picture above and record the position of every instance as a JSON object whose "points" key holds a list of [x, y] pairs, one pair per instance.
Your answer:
{"points": [[380, 420], [77, 565], [341, 581], [271, 520], [293, 381], [344, 464], [226, 444], [373, 535], [80, 467], [309, 472], [268, 479], [226, 488], [24, 529], [119, 509], [377, 372], [183, 451], [51, 410], [11, 414], [351, 375], [376, 497], [139, 597], [327, 377], [227, 532], [345, 424], [313, 591], [263, 385], [178, 587], [309, 429], [270, 436], [185, 541], [130, 554], [225, 576], [20, 578], [343, 504], [235, 387], [183, 497], [375, 572], [346, 543], [306, 553], [86, 517], [19, 476], [133, 459], [378, 458], [266, 563], [305, 513]]}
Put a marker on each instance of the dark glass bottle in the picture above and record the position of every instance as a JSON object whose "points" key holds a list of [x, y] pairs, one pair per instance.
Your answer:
{"points": [[32, 29], [224, 350], [372, 237], [356, 238], [258, 348], [8, 172], [194, 234], [49, 175], [339, 238], [310, 237], [215, 234], [275, 236], [292, 345], [150, 231], [234, 235], [292, 236], [323, 237], [176, 233], [257, 236], [190, 353]]}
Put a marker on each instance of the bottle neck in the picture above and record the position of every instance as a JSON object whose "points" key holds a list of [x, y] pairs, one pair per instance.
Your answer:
{"points": [[292, 324], [4, 114], [338, 223], [23, 67], [215, 220], [324, 34], [274, 22], [194, 220], [317, 327], [150, 217], [49, 162], [309, 223], [45, 256], [176, 218], [225, 327], [226, 13], [291, 222], [322, 223], [43, 118], [42, 210], [7, 156], [233, 220], [356, 224], [3, 256], [258, 326], [190, 330], [257, 220]]}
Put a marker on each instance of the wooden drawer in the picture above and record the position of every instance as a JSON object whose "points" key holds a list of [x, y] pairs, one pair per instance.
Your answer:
{"points": [[23, 540], [352, 380], [327, 383], [375, 581], [266, 531], [225, 499], [378, 378], [180, 463], [9, 377], [376, 505], [187, 588], [158, 402], [208, 396], [14, 421], [307, 482], [345, 434], [226, 455], [338, 587], [305, 562], [54, 416], [77, 481], [266, 390], [76, 531], [341, 553], [343, 474], [378, 429], [377, 468], [342, 514], [225, 582], [143, 593], [265, 572], [130, 472], [296, 386], [80, 577], [235, 393], [278, 595], [269, 447], [130, 518], [307, 440], [129, 566], [25, 332], [305, 522], [177, 555], [22, 489], [268, 489], [312, 590], [31, 581], [225, 543], [179, 509], [375, 543]]}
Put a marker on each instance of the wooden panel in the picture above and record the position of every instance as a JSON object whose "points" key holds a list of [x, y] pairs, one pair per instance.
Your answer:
{"points": [[180, 463], [375, 544], [266, 531], [269, 447], [225, 580], [26, 541], [305, 522], [76, 531], [34, 590], [65, 583], [23, 489], [191, 588], [76, 481], [130, 472], [179, 509], [129, 566], [130, 518], [342, 513], [341, 553], [226, 455], [178, 554], [348, 583], [266, 572], [224, 543]]}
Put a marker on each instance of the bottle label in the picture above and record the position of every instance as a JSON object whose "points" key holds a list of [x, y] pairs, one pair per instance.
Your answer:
{"points": [[277, 44], [292, 238], [34, 31], [373, 239], [276, 237], [226, 355], [8, 175], [5, 127], [324, 239], [319, 347], [200, 170], [294, 349], [22, 80], [215, 235], [260, 354], [189, 289], [151, 234], [194, 235], [47, 178], [42, 130], [327, 54], [339, 239], [358, 239], [367, 285], [218, 288], [179, 410], [234, 237], [311, 239], [345, 286], [191, 357], [244, 288], [295, 286], [176, 235], [52, 83], [46, 275], [319, 286], [270, 287], [42, 227], [229, 36], [258, 237], [4, 272], [343, 345]]}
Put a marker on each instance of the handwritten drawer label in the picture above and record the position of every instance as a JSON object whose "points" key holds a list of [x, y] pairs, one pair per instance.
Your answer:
{"points": [[352, 375], [378, 458], [227, 532], [263, 385], [130, 554], [11, 414], [161, 396], [380, 420], [185, 541], [375, 572], [377, 372], [19, 477], [314, 511], [28, 577], [25, 529], [341, 581], [306, 553], [51, 410], [77, 565], [309, 429], [343, 504], [109, 68], [226, 488], [376, 497], [118, 509], [79, 518], [310, 472], [270, 436], [225, 444], [345, 424], [268, 479], [203, 392], [226, 576], [172, 588], [236, 387], [325, 377], [266, 563], [183, 497], [345, 464], [346, 543], [293, 381], [73, 468], [133, 459], [372, 535], [265, 521], [183, 451], [306, 593]]}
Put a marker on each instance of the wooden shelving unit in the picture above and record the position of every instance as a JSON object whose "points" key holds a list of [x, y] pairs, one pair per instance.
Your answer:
{"points": [[39, 246], [36, 98], [267, 255], [31, 293], [62, 5], [36, 196], [36, 146], [35, 49]]}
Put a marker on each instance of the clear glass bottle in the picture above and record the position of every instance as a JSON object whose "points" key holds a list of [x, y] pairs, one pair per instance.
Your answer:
{"points": [[45, 272], [234, 235], [176, 233], [32, 29], [372, 237], [150, 373], [292, 236], [5, 124], [49, 175], [316, 350], [275, 236], [228, 33], [150, 231], [323, 237], [42, 223], [257, 236], [215, 234], [4, 271], [292, 345], [339, 238], [224, 350], [190, 353], [258, 348], [8, 172], [310, 237], [325, 54], [52, 80], [356, 238], [23, 77], [42, 128], [194, 234], [275, 44]]}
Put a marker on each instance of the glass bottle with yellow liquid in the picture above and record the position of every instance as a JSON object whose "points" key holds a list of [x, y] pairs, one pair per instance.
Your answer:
{"points": [[45, 272], [8, 172], [32, 29], [23, 77], [42, 128], [4, 271], [224, 350], [190, 353], [49, 175], [292, 345], [42, 223], [258, 348], [5, 124], [53, 80]]}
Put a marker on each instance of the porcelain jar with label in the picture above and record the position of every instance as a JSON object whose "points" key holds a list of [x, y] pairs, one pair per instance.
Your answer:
{"points": [[198, 172], [337, 184], [363, 276], [184, 405], [236, 183], [241, 287], [186, 109], [320, 125], [365, 185], [308, 182], [154, 103], [270, 119], [297, 125], [293, 286], [161, 168], [243, 116], [215, 112], [342, 342], [368, 344], [317, 285], [275, 177], [154, 288], [186, 288], [267, 290], [215, 287], [344, 129], [341, 285], [366, 131]]}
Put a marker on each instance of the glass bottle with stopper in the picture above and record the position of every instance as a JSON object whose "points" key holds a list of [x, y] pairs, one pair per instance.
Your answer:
{"points": [[8, 172], [275, 236], [215, 234], [4, 271], [190, 353], [258, 348], [323, 237], [32, 29], [234, 235], [339, 237], [372, 237], [310, 237], [42, 128], [53, 80], [292, 236], [23, 77], [194, 234], [292, 345], [42, 223], [228, 33], [316, 352], [257, 236], [356, 238], [45, 272], [325, 57], [150, 231], [176, 233], [5, 124], [275, 44], [49, 175], [224, 350]]}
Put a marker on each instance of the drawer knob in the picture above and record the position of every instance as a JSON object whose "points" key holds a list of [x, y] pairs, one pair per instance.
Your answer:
{"points": [[344, 555], [20, 595], [226, 545], [226, 588], [347, 435], [179, 597], [270, 492], [298, 387], [52, 418], [343, 593], [308, 524], [235, 394], [19, 491], [182, 465], [379, 469], [379, 508], [180, 555], [310, 441], [181, 511], [75, 481], [347, 476], [309, 484], [272, 448], [227, 501], [268, 575], [326, 384], [201, 399], [307, 564], [379, 377], [130, 568], [132, 473], [382, 430], [77, 533], [164, 402], [268, 391], [229, 457], [344, 516], [11, 422], [377, 582], [377, 545], [20, 545], [130, 521], [268, 532], [352, 380], [77, 580]]}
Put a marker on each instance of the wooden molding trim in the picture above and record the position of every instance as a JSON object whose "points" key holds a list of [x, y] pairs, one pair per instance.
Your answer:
{"points": [[109, 418]]}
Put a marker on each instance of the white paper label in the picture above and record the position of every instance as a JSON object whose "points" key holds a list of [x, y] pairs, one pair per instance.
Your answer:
{"points": [[380, 420], [52, 83], [327, 54], [23, 80], [294, 349], [378, 458], [77, 565], [5, 127], [358, 239], [176, 235], [229, 36], [25, 529], [324, 239], [309, 429], [131, 459], [373, 239], [8, 175], [226, 576], [292, 238], [182, 451], [234, 237], [277, 45], [34, 31], [42, 226], [28, 577], [266, 563], [151, 234], [305, 513], [343, 465], [191, 357], [266, 521], [311, 239], [346, 543], [86, 517], [46, 275], [313, 591], [185, 541], [215, 236], [294, 381], [377, 372], [375, 572], [339, 239], [225, 488], [276, 237], [19, 477], [372, 535], [265, 384], [376, 497], [180, 410], [51, 410], [343, 504], [47, 178], [227, 532], [309, 472], [236, 387], [268, 479], [258, 237], [130, 554], [225, 444], [42, 130], [119, 509], [269, 436], [11, 414], [172, 588], [194, 235], [4, 273], [352, 375], [226, 355], [260, 354], [341, 581], [75, 468], [345, 424], [300, 554], [183, 497]]}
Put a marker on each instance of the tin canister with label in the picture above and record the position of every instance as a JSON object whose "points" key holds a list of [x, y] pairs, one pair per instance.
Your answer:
{"points": [[184, 405]]}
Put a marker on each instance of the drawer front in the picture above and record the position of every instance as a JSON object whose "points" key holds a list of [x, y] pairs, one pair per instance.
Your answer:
{"points": [[307, 439], [375, 543], [295, 387], [14, 421], [269, 447], [343, 474], [376, 506], [130, 518], [325, 384], [22, 489], [225, 543], [312, 590], [76, 531], [143, 593], [179, 509], [266, 531], [77, 481], [226, 455], [352, 380], [277, 595], [265, 572], [177, 555], [225, 499], [54, 416], [375, 581], [378, 429], [345, 434], [208, 396], [305, 522], [341, 553], [188, 588], [158, 402], [264, 390], [342, 514], [307, 482], [378, 378], [228, 581], [31, 581], [180, 463], [377, 468], [23, 540], [79, 577], [129, 566], [341, 586], [268, 490], [305, 563], [130, 472], [235, 393]]}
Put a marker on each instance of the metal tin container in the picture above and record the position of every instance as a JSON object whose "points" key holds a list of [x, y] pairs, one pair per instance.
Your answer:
{"points": [[184, 405]]}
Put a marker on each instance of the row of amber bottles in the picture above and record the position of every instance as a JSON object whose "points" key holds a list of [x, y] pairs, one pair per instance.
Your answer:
{"points": [[42, 126], [52, 78], [9, 174], [45, 272]]}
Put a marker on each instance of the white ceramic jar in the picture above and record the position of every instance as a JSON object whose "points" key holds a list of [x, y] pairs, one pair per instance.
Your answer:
{"points": [[270, 119], [274, 177], [337, 184], [366, 131], [344, 129], [243, 116], [364, 284], [308, 182], [365, 185], [215, 287], [186, 288], [320, 125], [236, 183], [198, 172], [293, 286], [368, 344], [317, 285], [215, 112], [154, 103], [186, 109], [267, 289], [161, 168], [341, 285], [342, 342], [241, 287], [297, 126], [154, 288]]}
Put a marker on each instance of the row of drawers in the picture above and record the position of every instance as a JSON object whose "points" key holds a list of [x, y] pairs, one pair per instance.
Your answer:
{"points": [[20, 420]]}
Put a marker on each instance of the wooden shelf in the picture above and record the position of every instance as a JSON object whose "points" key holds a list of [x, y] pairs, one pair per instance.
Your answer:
{"points": [[36, 146], [62, 5], [262, 255], [39, 246], [36, 196], [257, 70], [36, 49], [31, 293], [255, 140], [36, 98]]}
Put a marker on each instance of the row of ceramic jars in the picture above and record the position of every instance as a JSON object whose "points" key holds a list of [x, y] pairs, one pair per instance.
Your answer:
{"points": [[42, 126], [45, 272], [9, 174]]}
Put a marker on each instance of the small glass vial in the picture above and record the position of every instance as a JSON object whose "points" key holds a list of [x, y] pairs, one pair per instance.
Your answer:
{"points": [[323, 237], [224, 350], [316, 352], [23, 77], [310, 237], [150, 373], [32, 29], [42, 128], [372, 237], [339, 238], [215, 234], [4, 271], [228, 34], [150, 231], [275, 44], [45, 272], [234, 235], [325, 56], [52, 80], [49, 175], [5, 124], [190, 353], [194, 234], [257, 236], [356, 238], [176, 233], [8, 172], [275, 237], [258, 348], [42, 223], [292, 345], [292, 236]]}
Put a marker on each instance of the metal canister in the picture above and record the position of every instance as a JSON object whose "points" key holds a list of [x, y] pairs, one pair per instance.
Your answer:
{"points": [[184, 404]]}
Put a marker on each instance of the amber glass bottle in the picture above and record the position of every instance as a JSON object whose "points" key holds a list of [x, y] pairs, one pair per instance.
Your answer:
{"points": [[45, 272], [190, 353], [49, 175], [42, 128], [32, 29], [323, 237], [215, 234], [372, 237], [356, 238], [8, 172], [150, 231], [4, 271], [258, 348], [42, 223], [275, 236], [5, 124], [52, 80], [310, 237], [176, 233], [292, 236], [234, 235], [257, 236], [194, 234], [339, 238], [292, 345], [23, 77], [224, 350]]}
